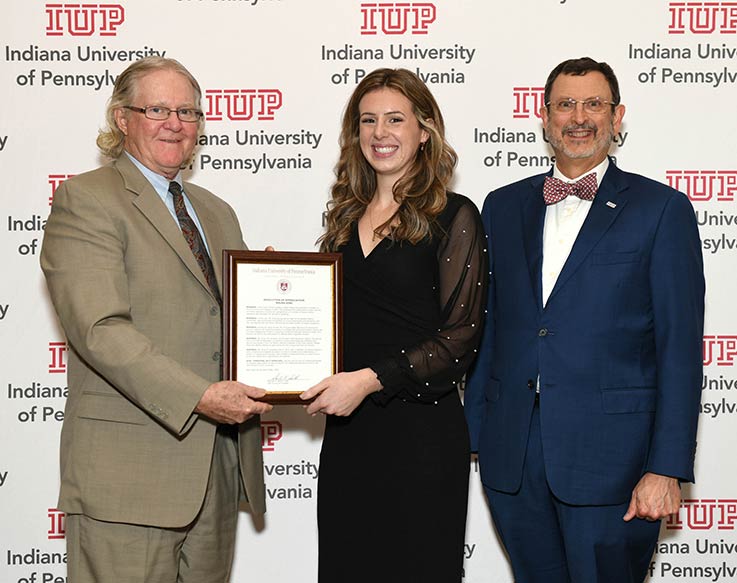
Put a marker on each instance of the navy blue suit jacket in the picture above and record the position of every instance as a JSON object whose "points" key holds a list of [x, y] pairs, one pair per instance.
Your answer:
{"points": [[618, 346]]}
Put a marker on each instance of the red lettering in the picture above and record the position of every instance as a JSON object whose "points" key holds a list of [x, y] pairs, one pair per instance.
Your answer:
{"points": [[242, 104], [702, 17], [528, 101], [55, 180], [84, 19], [704, 514], [56, 529], [271, 432], [704, 185], [58, 352], [394, 18]]}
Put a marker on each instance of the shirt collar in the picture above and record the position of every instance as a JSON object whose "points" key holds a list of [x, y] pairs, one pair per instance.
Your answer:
{"points": [[159, 182]]}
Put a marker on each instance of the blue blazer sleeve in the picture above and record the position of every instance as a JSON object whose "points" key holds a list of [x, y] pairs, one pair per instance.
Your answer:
{"points": [[677, 283]]}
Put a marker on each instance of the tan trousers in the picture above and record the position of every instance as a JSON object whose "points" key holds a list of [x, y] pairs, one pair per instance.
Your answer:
{"points": [[202, 552]]}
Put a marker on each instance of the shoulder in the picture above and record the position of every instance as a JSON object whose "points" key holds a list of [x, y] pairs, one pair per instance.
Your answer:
{"points": [[516, 189], [646, 191], [521, 185], [104, 176], [457, 203], [513, 195], [101, 186], [459, 216]]}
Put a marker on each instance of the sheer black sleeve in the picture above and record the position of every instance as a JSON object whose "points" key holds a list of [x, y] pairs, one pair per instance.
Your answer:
{"points": [[435, 366]]}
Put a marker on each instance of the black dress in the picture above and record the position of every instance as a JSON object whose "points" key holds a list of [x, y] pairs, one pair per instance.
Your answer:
{"points": [[393, 481]]}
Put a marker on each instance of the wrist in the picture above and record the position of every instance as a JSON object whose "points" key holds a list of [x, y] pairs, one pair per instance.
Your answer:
{"points": [[370, 381]]}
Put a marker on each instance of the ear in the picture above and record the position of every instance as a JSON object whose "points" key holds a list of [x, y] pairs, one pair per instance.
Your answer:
{"points": [[617, 117], [425, 135], [544, 117], [121, 120]]}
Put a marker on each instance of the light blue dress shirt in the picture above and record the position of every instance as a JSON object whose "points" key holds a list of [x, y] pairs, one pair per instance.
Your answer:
{"points": [[161, 186]]}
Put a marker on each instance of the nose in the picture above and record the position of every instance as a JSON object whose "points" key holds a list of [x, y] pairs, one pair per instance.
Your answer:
{"points": [[380, 129], [173, 122], [579, 115]]}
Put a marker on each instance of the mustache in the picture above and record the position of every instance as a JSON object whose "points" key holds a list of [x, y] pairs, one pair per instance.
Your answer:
{"points": [[579, 126]]}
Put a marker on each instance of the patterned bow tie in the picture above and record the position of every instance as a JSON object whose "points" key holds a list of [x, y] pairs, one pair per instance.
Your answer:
{"points": [[556, 190]]}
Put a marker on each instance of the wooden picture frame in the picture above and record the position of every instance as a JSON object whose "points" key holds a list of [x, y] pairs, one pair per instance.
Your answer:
{"points": [[282, 320]]}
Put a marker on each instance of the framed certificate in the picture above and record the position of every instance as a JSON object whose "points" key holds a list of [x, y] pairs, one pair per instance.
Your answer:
{"points": [[282, 320]]}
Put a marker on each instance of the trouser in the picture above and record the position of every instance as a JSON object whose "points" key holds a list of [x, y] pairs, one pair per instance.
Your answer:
{"points": [[549, 541], [201, 552]]}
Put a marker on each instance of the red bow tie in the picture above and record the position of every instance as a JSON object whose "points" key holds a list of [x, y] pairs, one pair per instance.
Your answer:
{"points": [[556, 190]]}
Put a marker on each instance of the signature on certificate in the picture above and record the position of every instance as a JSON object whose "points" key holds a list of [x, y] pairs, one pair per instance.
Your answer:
{"points": [[282, 379]]}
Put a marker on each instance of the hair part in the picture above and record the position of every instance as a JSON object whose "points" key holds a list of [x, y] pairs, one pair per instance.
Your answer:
{"points": [[581, 66], [421, 192], [111, 140]]}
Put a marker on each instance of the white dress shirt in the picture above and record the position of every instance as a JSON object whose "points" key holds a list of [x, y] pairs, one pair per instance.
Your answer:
{"points": [[563, 221]]}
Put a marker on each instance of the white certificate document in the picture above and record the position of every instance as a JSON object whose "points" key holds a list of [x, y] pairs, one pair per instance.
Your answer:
{"points": [[285, 322]]}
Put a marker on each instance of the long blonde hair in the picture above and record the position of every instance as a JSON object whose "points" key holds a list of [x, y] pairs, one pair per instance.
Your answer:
{"points": [[421, 192]]}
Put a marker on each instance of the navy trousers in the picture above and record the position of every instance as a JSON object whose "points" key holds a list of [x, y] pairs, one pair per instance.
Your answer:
{"points": [[549, 541]]}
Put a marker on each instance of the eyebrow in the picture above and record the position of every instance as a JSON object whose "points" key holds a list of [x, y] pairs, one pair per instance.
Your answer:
{"points": [[585, 98], [385, 113], [162, 104]]}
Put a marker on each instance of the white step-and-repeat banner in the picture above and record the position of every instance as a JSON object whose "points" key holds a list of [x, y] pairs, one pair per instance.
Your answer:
{"points": [[276, 75]]}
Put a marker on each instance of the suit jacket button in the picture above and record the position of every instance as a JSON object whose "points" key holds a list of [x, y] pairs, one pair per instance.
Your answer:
{"points": [[216, 356], [214, 311], [543, 332], [530, 384]]}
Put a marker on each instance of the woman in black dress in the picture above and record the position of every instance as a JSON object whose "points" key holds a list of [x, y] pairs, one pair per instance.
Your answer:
{"points": [[393, 481]]}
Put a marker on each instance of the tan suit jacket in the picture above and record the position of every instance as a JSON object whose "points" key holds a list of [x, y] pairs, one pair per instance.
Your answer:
{"points": [[144, 332]]}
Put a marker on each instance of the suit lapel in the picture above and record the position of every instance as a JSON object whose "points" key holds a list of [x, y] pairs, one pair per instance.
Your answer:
{"points": [[609, 202], [533, 221], [151, 206]]}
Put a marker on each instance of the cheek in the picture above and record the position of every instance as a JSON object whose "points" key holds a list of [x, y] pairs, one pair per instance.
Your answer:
{"points": [[604, 130], [550, 128], [364, 142], [191, 138]]}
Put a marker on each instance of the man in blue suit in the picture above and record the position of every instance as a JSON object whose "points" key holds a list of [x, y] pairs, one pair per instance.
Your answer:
{"points": [[584, 401]]}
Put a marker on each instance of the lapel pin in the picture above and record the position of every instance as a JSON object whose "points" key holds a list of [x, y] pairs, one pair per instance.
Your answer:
{"points": [[610, 204]]}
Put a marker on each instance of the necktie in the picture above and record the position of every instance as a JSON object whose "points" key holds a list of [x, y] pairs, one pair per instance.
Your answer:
{"points": [[194, 239], [556, 190]]}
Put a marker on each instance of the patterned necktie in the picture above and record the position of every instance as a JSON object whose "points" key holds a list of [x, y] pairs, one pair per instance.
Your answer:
{"points": [[194, 239], [556, 190]]}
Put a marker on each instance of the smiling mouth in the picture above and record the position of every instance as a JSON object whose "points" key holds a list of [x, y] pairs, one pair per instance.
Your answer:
{"points": [[579, 132], [384, 149]]}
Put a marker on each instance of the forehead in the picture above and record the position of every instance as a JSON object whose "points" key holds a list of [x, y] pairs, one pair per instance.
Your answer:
{"points": [[165, 87], [592, 84], [384, 99]]}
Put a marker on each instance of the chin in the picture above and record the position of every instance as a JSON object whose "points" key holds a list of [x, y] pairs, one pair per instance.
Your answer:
{"points": [[172, 163], [580, 153]]}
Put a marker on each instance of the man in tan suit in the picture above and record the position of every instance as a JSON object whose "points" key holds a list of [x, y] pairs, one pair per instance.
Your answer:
{"points": [[156, 450]]}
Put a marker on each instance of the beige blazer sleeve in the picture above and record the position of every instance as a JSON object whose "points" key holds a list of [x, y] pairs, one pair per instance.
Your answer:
{"points": [[145, 342], [111, 320]]}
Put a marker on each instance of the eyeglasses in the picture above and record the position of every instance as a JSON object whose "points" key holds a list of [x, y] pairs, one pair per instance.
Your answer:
{"points": [[593, 105], [159, 113]]}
